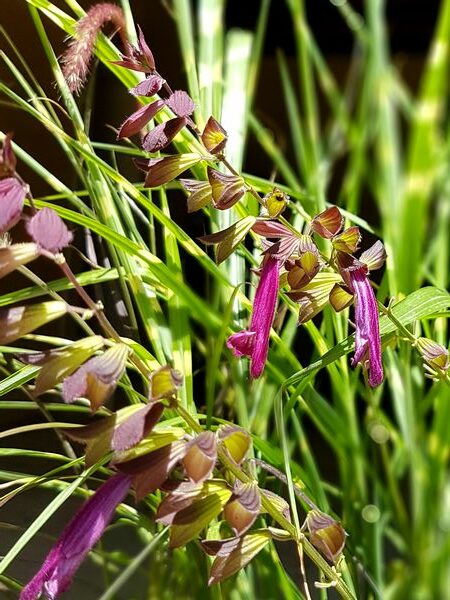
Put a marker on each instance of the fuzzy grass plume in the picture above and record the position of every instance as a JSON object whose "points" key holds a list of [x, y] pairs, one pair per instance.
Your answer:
{"points": [[77, 58]]}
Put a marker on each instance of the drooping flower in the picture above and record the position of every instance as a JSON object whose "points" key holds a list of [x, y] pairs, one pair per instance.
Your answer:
{"points": [[367, 336], [139, 119], [200, 193], [254, 342], [77, 539], [160, 136], [226, 189], [326, 534], [214, 136], [233, 554], [243, 507], [200, 457], [228, 239], [436, 358], [328, 223]]}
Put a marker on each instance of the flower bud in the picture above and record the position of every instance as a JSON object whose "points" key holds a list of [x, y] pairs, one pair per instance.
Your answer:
{"points": [[214, 136], [328, 223], [275, 202], [326, 534], [436, 355]]}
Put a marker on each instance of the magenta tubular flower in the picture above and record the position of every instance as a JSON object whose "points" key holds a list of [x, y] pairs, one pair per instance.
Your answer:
{"points": [[254, 342], [77, 539], [367, 337]]}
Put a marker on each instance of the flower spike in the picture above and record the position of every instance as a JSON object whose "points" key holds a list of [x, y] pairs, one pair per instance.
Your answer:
{"points": [[76, 59]]}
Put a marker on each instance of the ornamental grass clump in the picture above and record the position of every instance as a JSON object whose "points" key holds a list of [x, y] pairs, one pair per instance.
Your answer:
{"points": [[189, 374]]}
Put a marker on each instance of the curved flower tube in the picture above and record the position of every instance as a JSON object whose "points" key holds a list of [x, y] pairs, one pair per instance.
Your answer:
{"points": [[367, 337], [254, 342], [77, 539]]}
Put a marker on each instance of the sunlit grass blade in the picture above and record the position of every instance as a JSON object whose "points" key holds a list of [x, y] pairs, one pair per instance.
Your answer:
{"points": [[424, 155], [210, 57]]}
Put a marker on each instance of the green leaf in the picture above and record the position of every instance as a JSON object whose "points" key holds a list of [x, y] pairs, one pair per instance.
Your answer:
{"points": [[17, 379], [417, 305]]}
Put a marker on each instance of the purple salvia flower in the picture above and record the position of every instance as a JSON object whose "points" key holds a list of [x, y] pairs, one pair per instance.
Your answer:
{"points": [[367, 337], [254, 342], [77, 539]]}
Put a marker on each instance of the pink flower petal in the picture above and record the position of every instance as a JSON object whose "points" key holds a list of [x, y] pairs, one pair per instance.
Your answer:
{"points": [[181, 103], [241, 343], [139, 119], [49, 231], [255, 342], [161, 135], [12, 196], [149, 87]]}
